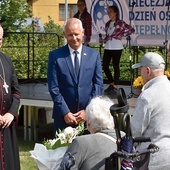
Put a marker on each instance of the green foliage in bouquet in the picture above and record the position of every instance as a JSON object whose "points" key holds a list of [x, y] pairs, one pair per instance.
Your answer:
{"points": [[64, 137]]}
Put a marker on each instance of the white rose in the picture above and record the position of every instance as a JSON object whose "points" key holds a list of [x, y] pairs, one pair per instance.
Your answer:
{"points": [[70, 134], [68, 130]]}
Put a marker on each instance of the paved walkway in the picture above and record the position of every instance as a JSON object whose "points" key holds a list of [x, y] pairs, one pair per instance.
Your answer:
{"points": [[131, 100]]}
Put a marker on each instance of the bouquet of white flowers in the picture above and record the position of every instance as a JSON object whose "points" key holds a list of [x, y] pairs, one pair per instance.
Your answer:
{"points": [[48, 155]]}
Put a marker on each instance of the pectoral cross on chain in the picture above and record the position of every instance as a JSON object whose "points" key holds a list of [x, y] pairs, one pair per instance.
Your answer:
{"points": [[6, 87]]}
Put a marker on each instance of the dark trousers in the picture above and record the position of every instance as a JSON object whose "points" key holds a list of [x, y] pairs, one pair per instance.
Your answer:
{"points": [[113, 55]]}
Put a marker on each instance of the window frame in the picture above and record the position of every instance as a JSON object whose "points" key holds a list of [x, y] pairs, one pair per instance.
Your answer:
{"points": [[71, 10]]}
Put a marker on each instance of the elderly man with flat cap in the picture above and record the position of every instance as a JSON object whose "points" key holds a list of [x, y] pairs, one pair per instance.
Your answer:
{"points": [[152, 112]]}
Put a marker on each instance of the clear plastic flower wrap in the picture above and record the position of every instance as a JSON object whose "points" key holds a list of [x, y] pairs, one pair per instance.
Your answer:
{"points": [[48, 155]]}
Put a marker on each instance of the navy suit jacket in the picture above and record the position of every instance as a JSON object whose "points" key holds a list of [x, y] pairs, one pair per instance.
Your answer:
{"points": [[69, 93]]}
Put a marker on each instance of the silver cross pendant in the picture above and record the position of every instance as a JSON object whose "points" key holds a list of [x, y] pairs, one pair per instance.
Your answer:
{"points": [[6, 87]]}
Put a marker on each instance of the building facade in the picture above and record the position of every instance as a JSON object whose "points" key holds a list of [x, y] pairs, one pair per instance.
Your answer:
{"points": [[55, 9]]}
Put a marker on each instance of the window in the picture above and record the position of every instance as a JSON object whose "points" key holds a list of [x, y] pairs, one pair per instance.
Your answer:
{"points": [[72, 9]]}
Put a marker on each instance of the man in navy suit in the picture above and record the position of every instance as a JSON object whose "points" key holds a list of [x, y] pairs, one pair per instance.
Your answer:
{"points": [[71, 91]]}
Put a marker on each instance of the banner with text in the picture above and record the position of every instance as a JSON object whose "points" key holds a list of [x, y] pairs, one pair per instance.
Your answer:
{"points": [[150, 18]]}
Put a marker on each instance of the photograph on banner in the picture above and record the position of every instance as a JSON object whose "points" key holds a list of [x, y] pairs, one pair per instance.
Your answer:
{"points": [[148, 17]]}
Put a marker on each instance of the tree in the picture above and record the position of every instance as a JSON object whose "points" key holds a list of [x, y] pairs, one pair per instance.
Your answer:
{"points": [[13, 14], [51, 27]]}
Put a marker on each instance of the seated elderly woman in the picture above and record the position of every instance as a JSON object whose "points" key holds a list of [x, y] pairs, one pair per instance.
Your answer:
{"points": [[88, 152]]}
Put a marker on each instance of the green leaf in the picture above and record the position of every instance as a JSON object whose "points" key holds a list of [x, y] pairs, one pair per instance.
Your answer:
{"points": [[58, 144]]}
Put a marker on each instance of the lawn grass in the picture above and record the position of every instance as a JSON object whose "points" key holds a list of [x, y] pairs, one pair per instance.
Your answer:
{"points": [[26, 162]]}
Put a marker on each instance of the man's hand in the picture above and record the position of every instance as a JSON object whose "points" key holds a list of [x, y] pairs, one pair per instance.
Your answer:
{"points": [[1, 120], [80, 116], [70, 119], [7, 119]]}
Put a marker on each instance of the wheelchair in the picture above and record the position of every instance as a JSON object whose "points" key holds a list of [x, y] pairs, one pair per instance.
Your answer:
{"points": [[127, 157]]}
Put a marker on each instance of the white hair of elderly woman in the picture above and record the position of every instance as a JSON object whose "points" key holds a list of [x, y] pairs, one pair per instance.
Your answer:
{"points": [[98, 114]]}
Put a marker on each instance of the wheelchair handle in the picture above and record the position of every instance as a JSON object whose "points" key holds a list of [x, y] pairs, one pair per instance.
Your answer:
{"points": [[152, 150], [142, 139]]}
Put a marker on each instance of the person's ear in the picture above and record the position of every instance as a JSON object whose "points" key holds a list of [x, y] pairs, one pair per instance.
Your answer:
{"points": [[83, 31], [149, 71]]}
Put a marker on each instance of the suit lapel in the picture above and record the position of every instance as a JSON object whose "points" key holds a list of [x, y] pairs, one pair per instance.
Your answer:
{"points": [[84, 61], [70, 64]]}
